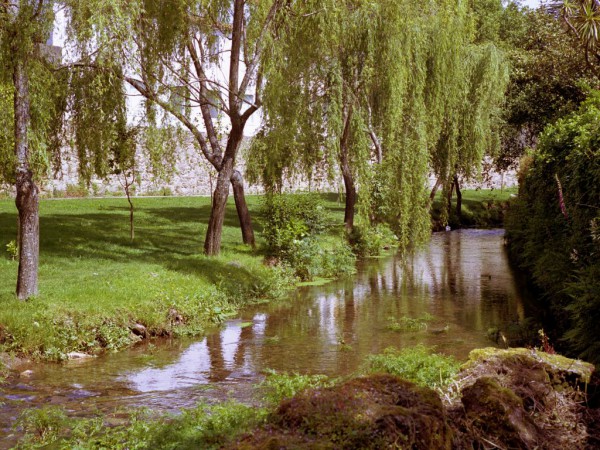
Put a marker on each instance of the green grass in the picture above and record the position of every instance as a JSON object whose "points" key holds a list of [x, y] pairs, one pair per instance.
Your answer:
{"points": [[483, 208], [94, 283]]}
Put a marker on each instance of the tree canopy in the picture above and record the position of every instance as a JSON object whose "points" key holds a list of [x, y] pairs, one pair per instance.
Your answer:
{"points": [[381, 91]]}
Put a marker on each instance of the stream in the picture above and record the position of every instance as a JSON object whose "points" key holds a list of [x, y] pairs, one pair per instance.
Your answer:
{"points": [[462, 279]]}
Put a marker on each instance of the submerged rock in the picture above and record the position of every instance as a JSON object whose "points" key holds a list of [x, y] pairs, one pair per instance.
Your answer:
{"points": [[72, 356]]}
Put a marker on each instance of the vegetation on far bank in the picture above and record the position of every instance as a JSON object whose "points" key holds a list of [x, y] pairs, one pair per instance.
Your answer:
{"points": [[481, 208]]}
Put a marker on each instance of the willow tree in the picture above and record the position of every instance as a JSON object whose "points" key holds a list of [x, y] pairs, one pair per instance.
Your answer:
{"points": [[26, 74], [470, 108], [199, 62], [50, 99], [369, 88]]}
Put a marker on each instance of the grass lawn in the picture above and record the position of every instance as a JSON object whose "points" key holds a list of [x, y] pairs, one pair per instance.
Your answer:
{"points": [[94, 283]]}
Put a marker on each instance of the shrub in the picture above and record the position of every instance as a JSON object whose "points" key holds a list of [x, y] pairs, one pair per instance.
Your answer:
{"points": [[313, 257], [292, 224], [291, 217], [370, 240], [12, 249], [552, 227]]}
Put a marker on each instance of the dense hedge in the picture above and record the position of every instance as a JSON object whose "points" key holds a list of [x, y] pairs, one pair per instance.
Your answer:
{"points": [[554, 226]]}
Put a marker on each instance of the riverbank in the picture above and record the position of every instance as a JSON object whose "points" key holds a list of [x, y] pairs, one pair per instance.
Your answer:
{"points": [[101, 292], [481, 208], [515, 398]]}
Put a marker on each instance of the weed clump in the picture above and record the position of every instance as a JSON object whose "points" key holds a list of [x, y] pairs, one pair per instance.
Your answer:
{"points": [[417, 364]]}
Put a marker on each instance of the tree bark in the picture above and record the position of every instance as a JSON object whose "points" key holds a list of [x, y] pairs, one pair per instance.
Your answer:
{"points": [[434, 190], [350, 197], [212, 243], [237, 183], [27, 199], [458, 197], [347, 173]]}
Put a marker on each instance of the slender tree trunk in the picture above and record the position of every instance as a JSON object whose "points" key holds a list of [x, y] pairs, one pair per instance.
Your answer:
{"points": [[131, 209], [434, 190], [27, 200], [237, 182], [347, 174], [350, 198], [458, 197], [449, 197]]}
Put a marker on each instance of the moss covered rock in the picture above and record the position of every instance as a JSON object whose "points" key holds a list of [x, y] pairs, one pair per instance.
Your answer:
{"points": [[379, 411], [521, 398]]}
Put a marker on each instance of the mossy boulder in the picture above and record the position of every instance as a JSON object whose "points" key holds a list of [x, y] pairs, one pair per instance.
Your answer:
{"points": [[500, 414], [521, 398], [379, 411]]}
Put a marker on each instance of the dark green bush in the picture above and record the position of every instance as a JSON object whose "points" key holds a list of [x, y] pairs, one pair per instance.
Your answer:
{"points": [[291, 217], [293, 229], [371, 240], [552, 227]]}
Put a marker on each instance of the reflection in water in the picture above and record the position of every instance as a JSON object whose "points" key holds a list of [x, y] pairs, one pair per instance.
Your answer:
{"points": [[462, 279]]}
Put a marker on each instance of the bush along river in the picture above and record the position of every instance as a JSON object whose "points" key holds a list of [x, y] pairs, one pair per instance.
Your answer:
{"points": [[457, 294]]}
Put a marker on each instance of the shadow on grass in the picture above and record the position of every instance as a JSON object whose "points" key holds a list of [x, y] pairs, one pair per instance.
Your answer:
{"points": [[172, 237]]}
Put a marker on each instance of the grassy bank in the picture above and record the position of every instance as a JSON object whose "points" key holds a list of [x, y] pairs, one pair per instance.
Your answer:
{"points": [[96, 286], [482, 208]]}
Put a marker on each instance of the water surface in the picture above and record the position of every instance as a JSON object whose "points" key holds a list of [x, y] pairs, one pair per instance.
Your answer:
{"points": [[462, 279]]}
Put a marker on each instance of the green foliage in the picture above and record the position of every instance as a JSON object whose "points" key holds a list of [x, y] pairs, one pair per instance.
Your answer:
{"points": [[552, 227], [408, 323], [205, 426], [293, 228], [280, 386], [371, 240], [289, 218], [42, 426], [417, 364], [314, 257], [547, 80], [12, 249]]}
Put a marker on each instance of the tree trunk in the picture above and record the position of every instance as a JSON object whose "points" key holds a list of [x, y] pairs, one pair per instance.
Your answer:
{"points": [[449, 197], [27, 200], [237, 182], [350, 199], [434, 190], [212, 243], [347, 174], [458, 197]]}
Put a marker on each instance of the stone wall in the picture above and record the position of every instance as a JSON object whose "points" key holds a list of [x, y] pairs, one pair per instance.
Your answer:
{"points": [[191, 174]]}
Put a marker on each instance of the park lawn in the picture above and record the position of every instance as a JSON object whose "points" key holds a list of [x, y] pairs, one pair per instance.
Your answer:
{"points": [[95, 284]]}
